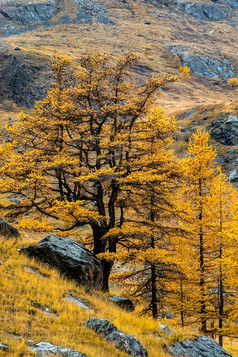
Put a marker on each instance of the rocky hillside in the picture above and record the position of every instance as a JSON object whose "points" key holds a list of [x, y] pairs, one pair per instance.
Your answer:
{"points": [[166, 34]]}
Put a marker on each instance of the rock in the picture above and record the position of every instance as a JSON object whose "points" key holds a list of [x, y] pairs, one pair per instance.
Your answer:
{"points": [[208, 12], [111, 333], [225, 130], [4, 348], [165, 314], [36, 271], [233, 177], [7, 230], [166, 330], [122, 302], [5, 24], [22, 78], [47, 349], [186, 114], [204, 65], [233, 3], [83, 303], [24, 13], [71, 258], [17, 49], [201, 347], [142, 68]]}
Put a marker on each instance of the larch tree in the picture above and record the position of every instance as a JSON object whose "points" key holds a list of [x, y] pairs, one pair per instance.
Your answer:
{"points": [[68, 158], [151, 211], [224, 220], [200, 170]]}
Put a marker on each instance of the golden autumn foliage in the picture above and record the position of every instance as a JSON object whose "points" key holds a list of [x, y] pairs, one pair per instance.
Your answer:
{"points": [[96, 153], [68, 158]]}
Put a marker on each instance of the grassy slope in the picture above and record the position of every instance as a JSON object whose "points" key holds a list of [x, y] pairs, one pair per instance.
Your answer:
{"points": [[24, 296]]}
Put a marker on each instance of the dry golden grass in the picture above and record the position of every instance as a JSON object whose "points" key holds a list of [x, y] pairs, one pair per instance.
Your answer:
{"points": [[24, 297]]}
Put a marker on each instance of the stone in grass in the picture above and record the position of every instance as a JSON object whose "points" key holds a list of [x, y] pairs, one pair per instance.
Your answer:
{"points": [[122, 302], [201, 347], [4, 348], [166, 330], [122, 341], [47, 349], [83, 303]]}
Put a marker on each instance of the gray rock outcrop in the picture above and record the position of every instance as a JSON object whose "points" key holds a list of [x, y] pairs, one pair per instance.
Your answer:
{"points": [[71, 258], [201, 347], [208, 12], [225, 130], [24, 13], [122, 302], [204, 65], [111, 333], [22, 78], [47, 349], [232, 3]]}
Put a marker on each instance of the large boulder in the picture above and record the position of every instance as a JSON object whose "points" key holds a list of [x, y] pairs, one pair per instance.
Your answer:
{"points": [[24, 13], [201, 347], [47, 349], [225, 130], [111, 333], [71, 258], [209, 12]]}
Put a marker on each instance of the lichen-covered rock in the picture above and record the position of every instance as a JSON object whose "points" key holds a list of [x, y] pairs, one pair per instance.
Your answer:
{"points": [[209, 12], [201, 347], [24, 13], [122, 302], [47, 349], [71, 258], [111, 333]]}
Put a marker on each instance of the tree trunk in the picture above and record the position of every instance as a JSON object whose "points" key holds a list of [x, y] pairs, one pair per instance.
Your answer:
{"points": [[154, 292], [106, 268], [202, 268]]}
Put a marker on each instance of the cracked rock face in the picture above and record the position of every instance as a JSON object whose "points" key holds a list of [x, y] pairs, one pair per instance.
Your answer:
{"points": [[204, 65], [225, 130], [208, 12], [111, 333], [201, 347], [21, 79], [25, 13]]}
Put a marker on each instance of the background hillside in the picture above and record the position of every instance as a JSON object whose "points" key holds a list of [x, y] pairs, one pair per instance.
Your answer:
{"points": [[165, 34]]}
